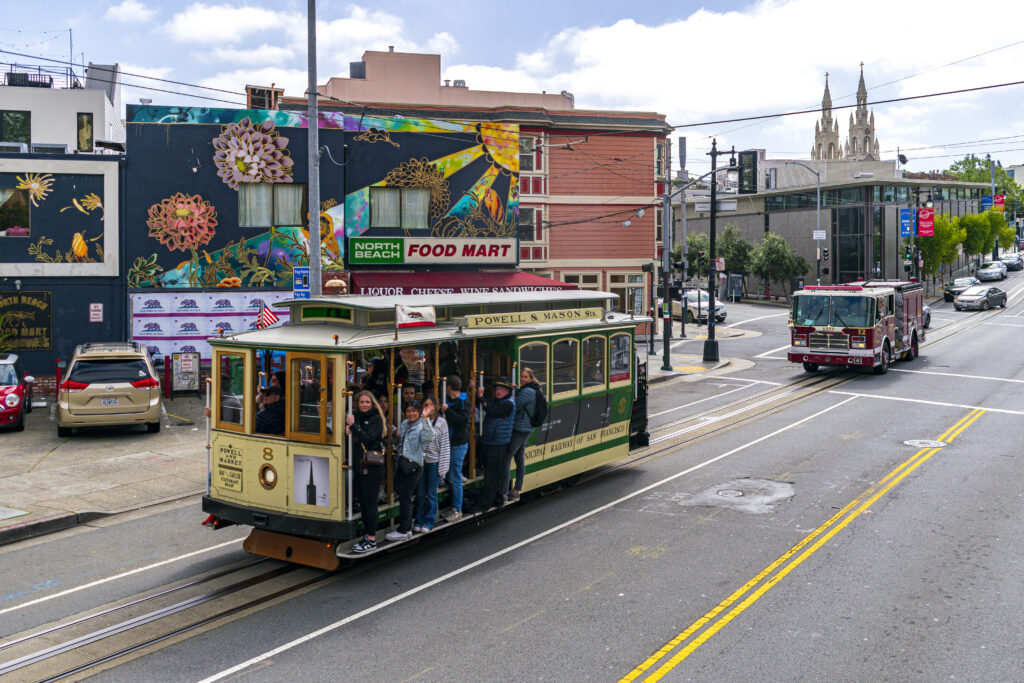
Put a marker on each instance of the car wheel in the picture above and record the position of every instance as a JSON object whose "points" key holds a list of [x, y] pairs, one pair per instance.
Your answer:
{"points": [[63, 432], [984, 306], [1003, 304], [20, 425], [927, 321], [689, 317], [957, 308], [883, 365], [153, 427], [28, 402], [810, 367]]}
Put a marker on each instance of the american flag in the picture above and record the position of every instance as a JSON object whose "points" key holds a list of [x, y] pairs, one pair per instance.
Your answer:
{"points": [[267, 317]]}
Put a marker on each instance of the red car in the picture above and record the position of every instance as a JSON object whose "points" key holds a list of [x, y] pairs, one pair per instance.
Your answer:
{"points": [[15, 392]]}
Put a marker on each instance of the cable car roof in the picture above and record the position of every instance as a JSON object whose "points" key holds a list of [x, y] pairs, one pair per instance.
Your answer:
{"points": [[377, 303]]}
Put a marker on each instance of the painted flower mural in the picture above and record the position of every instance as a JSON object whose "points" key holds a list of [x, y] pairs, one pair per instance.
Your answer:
{"points": [[251, 153], [38, 185], [182, 222]]}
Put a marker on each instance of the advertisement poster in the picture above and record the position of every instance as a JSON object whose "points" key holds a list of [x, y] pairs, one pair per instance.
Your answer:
{"points": [[169, 322], [28, 319], [311, 475]]}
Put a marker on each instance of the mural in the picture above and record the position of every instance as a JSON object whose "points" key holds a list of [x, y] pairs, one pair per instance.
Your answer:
{"points": [[38, 185], [51, 235], [192, 162]]}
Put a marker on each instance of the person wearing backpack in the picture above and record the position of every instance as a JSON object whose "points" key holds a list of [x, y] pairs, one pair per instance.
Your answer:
{"points": [[529, 398]]}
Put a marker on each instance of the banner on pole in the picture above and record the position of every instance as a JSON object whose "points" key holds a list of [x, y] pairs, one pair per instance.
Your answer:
{"points": [[906, 223], [926, 222]]}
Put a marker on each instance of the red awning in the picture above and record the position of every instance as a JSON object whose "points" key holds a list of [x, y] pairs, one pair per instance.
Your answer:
{"points": [[399, 284]]}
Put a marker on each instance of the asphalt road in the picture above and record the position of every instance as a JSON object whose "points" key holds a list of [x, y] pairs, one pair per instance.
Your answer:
{"points": [[848, 554]]}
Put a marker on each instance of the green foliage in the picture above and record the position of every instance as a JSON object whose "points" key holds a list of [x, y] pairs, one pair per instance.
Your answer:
{"points": [[976, 170], [1001, 230], [941, 247], [736, 251], [695, 244], [977, 230], [773, 260]]}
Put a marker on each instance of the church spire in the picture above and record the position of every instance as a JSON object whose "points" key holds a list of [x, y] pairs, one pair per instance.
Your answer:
{"points": [[862, 91], [826, 100], [826, 131]]}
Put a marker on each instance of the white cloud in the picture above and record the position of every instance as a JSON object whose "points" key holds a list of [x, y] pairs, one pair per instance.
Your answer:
{"points": [[129, 11], [264, 54], [292, 80], [492, 78], [201, 23], [443, 44]]}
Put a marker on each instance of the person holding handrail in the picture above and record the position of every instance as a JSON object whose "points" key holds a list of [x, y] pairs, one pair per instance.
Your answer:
{"points": [[367, 425]]}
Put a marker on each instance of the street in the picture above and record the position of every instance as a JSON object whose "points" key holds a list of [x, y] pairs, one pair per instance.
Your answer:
{"points": [[781, 525]]}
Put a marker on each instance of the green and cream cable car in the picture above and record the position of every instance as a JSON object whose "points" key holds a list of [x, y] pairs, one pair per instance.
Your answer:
{"points": [[295, 489]]}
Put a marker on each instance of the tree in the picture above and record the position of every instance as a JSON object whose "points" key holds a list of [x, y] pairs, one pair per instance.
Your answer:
{"points": [[941, 247], [977, 233], [696, 243], [773, 260], [735, 250], [973, 169], [1001, 230]]}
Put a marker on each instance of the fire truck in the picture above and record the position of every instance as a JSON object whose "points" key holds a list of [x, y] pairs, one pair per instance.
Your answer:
{"points": [[860, 325]]}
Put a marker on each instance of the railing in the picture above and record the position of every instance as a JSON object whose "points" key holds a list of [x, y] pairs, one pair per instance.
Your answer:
{"points": [[36, 76]]}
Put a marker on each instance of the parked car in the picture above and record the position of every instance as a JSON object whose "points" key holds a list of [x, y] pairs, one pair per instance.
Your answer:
{"points": [[1013, 261], [926, 313], [958, 285], [992, 270], [981, 297], [15, 392], [697, 307], [109, 384]]}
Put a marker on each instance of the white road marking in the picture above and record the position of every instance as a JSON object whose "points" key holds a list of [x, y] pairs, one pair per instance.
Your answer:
{"points": [[953, 374], [755, 381], [670, 410], [766, 354], [1003, 324], [930, 403], [484, 560], [744, 322], [119, 576]]}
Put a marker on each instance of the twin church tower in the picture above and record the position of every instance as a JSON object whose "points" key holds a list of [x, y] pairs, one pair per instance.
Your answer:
{"points": [[861, 145]]}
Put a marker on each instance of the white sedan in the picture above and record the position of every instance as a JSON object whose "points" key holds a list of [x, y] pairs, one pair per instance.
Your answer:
{"points": [[697, 307]]}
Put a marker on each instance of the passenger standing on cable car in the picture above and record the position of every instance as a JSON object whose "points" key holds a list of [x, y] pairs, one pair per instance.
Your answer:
{"points": [[456, 413], [435, 465], [367, 426], [497, 432], [414, 435], [522, 428]]}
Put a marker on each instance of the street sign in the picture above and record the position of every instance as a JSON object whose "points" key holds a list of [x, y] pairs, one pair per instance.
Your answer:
{"points": [[720, 264], [926, 222], [300, 282], [906, 223], [95, 313], [819, 234], [986, 202]]}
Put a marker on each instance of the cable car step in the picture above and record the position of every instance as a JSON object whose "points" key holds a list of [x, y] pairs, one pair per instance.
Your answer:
{"points": [[306, 551]]}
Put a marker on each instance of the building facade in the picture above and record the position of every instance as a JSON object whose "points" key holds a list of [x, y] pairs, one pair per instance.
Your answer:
{"points": [[589, 180]]}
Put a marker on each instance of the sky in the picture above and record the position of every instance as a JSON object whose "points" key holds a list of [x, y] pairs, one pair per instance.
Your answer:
{"points": [[695, 63]]}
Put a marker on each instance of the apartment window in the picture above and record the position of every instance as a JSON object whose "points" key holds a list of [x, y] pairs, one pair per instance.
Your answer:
{"points": [[583, 280], [530, 154], [530, 224], [658, 235], [659, 159], [771, 181], [14, 214], [16, 126], [630, 288], [400, 207], [85, 134], [261, 205]]}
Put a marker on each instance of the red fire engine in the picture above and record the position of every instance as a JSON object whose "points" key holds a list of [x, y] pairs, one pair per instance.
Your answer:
{"points": [[862, 324]]}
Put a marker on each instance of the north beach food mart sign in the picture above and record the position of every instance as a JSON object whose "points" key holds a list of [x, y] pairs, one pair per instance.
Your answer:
{"points": [[396, 251]]}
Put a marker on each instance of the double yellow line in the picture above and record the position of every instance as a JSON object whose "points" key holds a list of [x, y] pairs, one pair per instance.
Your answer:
{"points": [[789, 561]]}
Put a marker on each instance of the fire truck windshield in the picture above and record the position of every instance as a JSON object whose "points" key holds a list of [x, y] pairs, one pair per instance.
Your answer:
{"points": [[836, 310]]}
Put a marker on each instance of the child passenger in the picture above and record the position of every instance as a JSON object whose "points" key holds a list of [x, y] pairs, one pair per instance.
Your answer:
{"points": [[435, 466]]}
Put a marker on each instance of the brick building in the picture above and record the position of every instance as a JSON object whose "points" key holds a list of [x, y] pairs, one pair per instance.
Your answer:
{"points": [[582, 173]]}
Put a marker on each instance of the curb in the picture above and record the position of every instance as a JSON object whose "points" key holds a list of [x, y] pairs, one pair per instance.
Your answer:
{"points": [[672, 375]]}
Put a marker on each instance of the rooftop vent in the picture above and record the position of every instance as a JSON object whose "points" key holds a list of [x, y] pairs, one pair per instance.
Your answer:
{"points": [[357, 69], [459, 83]]}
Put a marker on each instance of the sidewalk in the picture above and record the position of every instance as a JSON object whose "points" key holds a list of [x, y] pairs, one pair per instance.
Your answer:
{"points": [[48, 483]]}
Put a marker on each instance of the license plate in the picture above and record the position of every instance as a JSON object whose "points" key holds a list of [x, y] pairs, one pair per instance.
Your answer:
{"points": [[108, 401]]}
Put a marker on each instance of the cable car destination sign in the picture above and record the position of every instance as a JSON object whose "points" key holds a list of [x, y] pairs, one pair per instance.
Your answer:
{"points": [[394, 251], [529, 317]]}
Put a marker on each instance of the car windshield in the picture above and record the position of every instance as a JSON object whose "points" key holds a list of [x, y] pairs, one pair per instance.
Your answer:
{"points": [[692, 296], [837, 311], [113, 370], [1009, 257], [963, 282], [974, 291], [989, 264], [8, 377]]}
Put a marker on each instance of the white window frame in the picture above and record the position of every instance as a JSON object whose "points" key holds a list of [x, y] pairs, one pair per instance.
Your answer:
{"points": [[246, 187], [401, 209], [580, 274], [627, 301]]}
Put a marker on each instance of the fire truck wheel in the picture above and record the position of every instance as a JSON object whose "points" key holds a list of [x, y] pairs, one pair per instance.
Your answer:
{"points": [[913, 351], [811, 367], [883, 365]]}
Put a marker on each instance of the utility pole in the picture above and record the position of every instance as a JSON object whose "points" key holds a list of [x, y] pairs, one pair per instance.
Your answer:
{"points": [[992, 179], [666, 261], [711, 344], [313, 188], [682, 251]]}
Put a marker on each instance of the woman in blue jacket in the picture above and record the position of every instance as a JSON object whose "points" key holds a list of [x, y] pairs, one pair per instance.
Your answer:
{"points": [[522, 428], [414, 435]]}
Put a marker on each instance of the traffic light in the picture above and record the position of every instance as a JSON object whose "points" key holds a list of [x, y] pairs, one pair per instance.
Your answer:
{"points": [[824, 254], [748, 172], [908, 253]]}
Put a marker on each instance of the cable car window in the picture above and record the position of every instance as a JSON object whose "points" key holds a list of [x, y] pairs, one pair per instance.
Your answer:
{"points": [[564, 366], [231, 390], [593, 362], [620, 357], [535, 357], [310, 398]]}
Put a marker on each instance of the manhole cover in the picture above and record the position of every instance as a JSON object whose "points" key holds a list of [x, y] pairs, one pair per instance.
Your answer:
{"points": [[925, 443], [730, 493]]}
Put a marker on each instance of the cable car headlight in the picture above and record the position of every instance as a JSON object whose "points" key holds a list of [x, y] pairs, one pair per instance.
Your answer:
{"points": [[268, 476]]}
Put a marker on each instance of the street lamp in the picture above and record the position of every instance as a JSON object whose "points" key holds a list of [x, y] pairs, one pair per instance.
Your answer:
{"points": [[711, 344], [817, 244]]}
